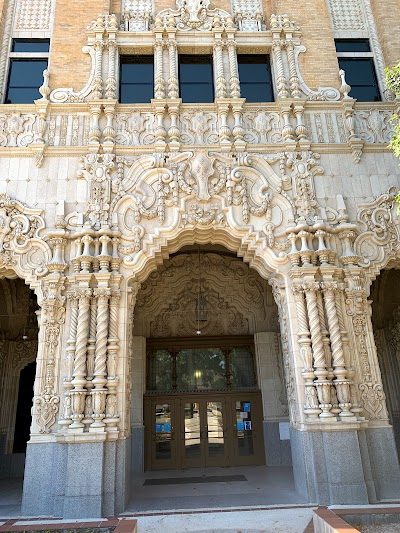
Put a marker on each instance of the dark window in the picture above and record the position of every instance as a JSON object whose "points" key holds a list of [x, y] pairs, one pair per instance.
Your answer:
{"points": [[137, 79], [360, 75], [196, 79], [352, 45], [30, 45], [255, 78], [25, 78]]}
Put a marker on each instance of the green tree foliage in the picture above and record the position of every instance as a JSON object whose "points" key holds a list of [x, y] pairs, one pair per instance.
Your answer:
{"points": [[393, 83]]}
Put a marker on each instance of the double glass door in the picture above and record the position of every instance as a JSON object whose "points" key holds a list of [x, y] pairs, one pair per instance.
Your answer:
{"points": [[201, 431]]}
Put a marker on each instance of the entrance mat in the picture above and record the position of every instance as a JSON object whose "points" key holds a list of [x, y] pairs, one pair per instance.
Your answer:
{"points": [[202, 479]]}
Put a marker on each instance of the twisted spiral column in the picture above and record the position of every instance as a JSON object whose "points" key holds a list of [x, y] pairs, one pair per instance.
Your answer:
{"points": [[311, 407], [159, 85], [221, 83], [281, 82], [70, 354], [79, 392], [339, 369], [100, 360], [173, 87], [323, 385], [293, 80], [98, 78], [234, 84], [111, 83]]}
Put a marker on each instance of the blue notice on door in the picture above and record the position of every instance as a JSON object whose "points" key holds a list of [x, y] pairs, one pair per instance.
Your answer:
{"points": [[159, 428], [167, 428], [240, 425], [247, 426], [246, 407]]}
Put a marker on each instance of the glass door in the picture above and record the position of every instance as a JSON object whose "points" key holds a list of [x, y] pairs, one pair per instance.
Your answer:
{"points": [[161, 433], [247, 439], [204, 432]]}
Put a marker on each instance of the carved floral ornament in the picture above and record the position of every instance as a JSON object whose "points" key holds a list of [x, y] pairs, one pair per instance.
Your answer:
{"points": [[22, 248]]}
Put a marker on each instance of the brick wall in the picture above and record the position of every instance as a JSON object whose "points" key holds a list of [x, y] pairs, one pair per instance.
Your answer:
{"points": [[69, 67], [387, 19]]}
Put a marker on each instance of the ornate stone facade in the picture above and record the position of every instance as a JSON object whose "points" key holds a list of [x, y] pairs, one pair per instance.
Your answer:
{"points": [[97, 198]]}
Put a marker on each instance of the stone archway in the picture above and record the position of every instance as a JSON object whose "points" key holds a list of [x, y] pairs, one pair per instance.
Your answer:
{"points": [[240, 303], [385, 295], [18, 351]]}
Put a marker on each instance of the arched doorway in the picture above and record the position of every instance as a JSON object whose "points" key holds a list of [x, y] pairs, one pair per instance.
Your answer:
{"points": [[385, 295], [18, 350], [208, 385]]}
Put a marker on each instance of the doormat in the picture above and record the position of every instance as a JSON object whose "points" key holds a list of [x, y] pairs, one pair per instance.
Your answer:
{"points": [[202, 479]]}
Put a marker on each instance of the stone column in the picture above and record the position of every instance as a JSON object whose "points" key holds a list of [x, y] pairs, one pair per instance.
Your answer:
{"points": [[159, 84], [311, 407], [173, 87], [233, 68], [78, 393], [281, 82], [339, 369], [323, 385], [219, 63], [100, 360]]}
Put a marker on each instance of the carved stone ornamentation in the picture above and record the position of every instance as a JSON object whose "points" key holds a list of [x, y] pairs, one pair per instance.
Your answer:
{"points": [[20, 243], [96, 168], [53, 316], [17, 129], [374, 126], [380, 239]]}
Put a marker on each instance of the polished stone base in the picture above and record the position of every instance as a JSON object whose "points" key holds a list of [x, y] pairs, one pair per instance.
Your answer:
{"points": [[346, 467], [74, 480], [137, 449], [277, 451]]}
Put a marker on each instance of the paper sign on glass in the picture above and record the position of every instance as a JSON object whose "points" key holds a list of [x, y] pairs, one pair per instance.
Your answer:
{"points": [[244, 415], [159, 428], [246, 407], [240, 425], [167, 428], [247, 425]]}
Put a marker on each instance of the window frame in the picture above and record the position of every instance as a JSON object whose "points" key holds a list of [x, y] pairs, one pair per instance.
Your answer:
{"points": [[351, 55], [268, 65], [212, 77], [28, 57], [150, 59]]}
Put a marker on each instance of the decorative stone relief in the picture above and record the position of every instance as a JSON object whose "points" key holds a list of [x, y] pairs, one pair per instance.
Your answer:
{"points": [[380, 239], [166, 303], [33, 15], [248, 15], [347, 15], [372, 395], [374, 125], [199, 128], [193, 15], [262, 127], [136, 15], [53, 316], [135, 128], [16, 129], [288, 370], [21, 246], [96, 168]]}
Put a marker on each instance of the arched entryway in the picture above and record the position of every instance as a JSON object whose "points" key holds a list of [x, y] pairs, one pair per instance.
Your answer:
{"points": [[208, 384], [385, 295], [18, 350]]}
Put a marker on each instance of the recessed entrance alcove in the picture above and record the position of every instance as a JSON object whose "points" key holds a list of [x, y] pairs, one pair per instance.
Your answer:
{"points": [[209, 406], [18, 351]]}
